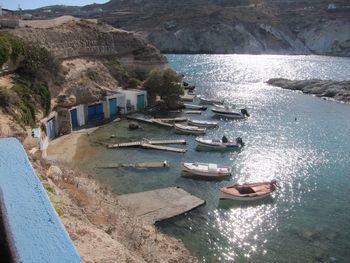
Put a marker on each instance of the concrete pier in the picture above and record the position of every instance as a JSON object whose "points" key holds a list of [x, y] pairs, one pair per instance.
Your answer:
{"points": [[157, 205]]}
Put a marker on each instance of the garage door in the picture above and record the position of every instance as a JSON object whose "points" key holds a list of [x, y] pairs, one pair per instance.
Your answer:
{"points": [[140, 102], [74, 118], [51, 130], [112, 106], [95, 112]]}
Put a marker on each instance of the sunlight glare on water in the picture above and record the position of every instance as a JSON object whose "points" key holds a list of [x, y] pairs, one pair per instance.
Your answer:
{"points": [[301, 141]]}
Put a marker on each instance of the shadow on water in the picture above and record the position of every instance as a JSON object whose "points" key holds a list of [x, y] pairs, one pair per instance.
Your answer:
{"points": [[227, 204], [125, 170], [185, 174], [200, 148]]}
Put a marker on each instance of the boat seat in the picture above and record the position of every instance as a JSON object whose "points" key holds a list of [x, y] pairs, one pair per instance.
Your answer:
{"points": [[245, 190]]}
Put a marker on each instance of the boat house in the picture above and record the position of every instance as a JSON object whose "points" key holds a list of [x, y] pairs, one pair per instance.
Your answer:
{"points": [[116, 105], [136, 100]]}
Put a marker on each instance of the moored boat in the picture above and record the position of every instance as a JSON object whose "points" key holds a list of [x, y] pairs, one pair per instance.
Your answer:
{"points": [[188, 129], [210, 170], [208, 101], [203, 123], [194, 107], [220, 144], [248, 191], [230, 113]]}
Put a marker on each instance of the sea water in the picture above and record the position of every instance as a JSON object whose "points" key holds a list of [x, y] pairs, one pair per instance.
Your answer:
{"points": [[300, 140]]}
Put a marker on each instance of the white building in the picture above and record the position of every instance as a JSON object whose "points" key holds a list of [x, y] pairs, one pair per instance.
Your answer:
{"points": [[116, 105], [77, 116], [135, 99]]}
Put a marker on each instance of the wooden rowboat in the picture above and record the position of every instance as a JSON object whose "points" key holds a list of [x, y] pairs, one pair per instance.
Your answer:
{"points": [[202, 123], [208, 101], [194, 107], [189, 129], [248, 191], [207, 169]]}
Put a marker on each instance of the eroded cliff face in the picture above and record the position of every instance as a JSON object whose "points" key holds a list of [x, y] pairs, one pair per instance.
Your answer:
{"points": [[88, 39], [228, 38], [328, 38], [246, 26], [96, 59]]}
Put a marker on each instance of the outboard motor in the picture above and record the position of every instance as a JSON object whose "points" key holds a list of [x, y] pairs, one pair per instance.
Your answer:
{"points": [[245, 112], [239, 141]]}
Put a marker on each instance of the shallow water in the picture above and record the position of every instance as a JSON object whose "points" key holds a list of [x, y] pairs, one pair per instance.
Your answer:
{"points": [[307, 219]]}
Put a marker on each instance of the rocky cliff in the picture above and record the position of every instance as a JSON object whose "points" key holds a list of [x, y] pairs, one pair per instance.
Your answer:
{"points": [[338, 90], [245, 26], [96, 59], [88, 39]]}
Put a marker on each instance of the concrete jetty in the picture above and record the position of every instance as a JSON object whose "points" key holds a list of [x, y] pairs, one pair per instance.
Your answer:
{"points": [[163, 148], [144, 165], [157, 205], [138, 143]]}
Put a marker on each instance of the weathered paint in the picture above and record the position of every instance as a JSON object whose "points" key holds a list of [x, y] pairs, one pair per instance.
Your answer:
{"points": [[34, 230], [121, 103], [132, 95]]}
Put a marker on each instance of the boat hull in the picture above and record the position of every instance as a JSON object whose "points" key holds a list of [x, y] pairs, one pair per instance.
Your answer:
{"points": [[237, 116], [210, 102], [248, 191], [206, 174], [179, 129], [204, 125], [225, 196], [217, 145]]}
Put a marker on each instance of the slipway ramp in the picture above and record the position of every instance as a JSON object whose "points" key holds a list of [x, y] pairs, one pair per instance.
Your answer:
{"points": [[157, 205]]}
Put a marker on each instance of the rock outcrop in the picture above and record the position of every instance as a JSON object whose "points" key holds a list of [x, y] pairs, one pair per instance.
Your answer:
{"points": [[96, 58], [210, 26], [88, 39], [338, 90]]}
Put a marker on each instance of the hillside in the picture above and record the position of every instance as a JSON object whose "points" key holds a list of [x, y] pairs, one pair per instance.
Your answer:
{"points": [[208, 26], [91, 59], [60, 65], [244, 26]]}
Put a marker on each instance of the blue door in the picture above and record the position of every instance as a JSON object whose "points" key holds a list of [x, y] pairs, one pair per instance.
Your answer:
{"points": [[51, 131], [140, 102], [112, 107], [95, 112], [74, 118]]}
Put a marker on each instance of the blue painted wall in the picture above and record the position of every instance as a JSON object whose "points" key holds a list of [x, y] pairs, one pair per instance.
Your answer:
{"points": [[35, 231]]}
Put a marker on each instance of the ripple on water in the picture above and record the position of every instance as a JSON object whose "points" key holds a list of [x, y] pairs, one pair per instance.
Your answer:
{"points": [[300, 140]]}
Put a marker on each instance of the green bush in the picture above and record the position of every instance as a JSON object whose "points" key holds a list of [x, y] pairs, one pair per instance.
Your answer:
{"points": [[165, 83], [11, 47], [31, 59]]}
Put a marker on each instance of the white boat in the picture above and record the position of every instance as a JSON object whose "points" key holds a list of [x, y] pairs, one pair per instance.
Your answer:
{"points": [[230, 113], [219, 144], [248, 191], [189, 129], [194, 107], [207, 169], [202, 123], [208, 101]]}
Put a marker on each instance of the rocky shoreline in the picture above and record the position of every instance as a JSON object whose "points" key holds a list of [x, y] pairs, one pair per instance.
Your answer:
{"points": [[337, 90]]}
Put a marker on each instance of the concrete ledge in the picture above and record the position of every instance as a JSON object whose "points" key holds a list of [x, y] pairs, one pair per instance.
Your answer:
{"points": [[34, 231], [157, 205]]}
